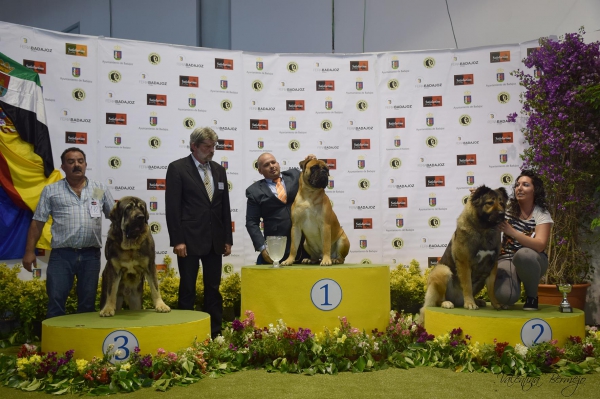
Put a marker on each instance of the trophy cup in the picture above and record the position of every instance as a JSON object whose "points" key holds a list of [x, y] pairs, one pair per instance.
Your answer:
{"points": [[565, 306], [276, 248]]}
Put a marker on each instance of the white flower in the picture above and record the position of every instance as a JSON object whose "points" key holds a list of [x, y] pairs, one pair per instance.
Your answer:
{"points": [[220, 340], [521, 349], [376, 346], [111, 347], [118, 352]]}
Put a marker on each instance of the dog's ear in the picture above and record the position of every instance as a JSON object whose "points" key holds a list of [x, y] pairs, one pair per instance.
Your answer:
{"points": [[116, 212], [145, 207], [502, 192], [477, 196], [303, 164]]}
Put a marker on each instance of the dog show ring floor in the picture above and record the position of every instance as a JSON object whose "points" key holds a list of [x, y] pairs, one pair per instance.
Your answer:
{"points": [[90, 335], [314, 297], [514, 325]]}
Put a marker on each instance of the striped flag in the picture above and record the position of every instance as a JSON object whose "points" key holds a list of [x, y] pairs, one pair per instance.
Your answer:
{"points": [[26, 164]]}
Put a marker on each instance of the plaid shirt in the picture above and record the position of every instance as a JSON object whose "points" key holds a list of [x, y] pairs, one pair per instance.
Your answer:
{"points": [[72, 224]]}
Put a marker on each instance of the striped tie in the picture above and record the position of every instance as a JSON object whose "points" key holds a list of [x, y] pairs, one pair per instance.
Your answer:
{"points": [[207, 185], [280, 190]]}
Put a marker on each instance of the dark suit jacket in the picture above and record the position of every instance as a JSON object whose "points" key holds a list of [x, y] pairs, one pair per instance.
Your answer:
{"points": [[277, 216], [193, 219]]}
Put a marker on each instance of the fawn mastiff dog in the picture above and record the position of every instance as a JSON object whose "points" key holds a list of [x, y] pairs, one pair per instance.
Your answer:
{"points": [[130, 256], [313, 217]]}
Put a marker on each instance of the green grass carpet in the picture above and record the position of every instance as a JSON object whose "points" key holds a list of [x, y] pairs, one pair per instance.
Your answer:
{"points": [[420, 382]]}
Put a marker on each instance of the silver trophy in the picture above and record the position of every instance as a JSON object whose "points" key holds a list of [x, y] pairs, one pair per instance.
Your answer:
{"points": [[276, 248], [565, 306]]}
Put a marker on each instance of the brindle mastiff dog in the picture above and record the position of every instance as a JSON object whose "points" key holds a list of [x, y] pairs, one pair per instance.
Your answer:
{"points": [[129, 255], [471, 258], [313, 217]]}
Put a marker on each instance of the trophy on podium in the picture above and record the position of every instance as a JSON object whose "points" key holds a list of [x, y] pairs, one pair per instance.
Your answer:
{"points": [[276, 248], [565, 306]]}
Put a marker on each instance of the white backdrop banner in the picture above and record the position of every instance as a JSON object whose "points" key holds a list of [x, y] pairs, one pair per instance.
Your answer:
{"points": [[405, 134]]}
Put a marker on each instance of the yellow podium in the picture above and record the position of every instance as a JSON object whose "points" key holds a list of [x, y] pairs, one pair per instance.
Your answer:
{"points": [[313, 296], [90, 335], [513, 326]]}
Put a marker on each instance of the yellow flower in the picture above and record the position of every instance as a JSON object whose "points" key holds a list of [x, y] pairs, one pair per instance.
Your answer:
{"points": [[81, 365], [342, 339], [336, 331], [21, 363], [319, 337], [35, 360], [125, 366]]}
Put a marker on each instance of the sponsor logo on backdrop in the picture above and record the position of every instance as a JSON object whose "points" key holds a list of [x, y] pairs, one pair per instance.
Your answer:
{"points": [[223, 63], [229, 185], [464, 120], [361, 163], [259, 124], [64, 112], [395, 64], [470, 178], [78, 94], [257, 85], [153, 206], [114, 162], [433, 261], [503, 156], [363, 223], [33, 48], [393, 84], [154, 142], [359, 66], [189, 123], [294, 145], [397, 243], [361, 144], [223, 83], [499, 56], [362, 242], [432, 101], [364, 184], [503, 97], [395, 123], [36, 66], [117, 53], [359, 84], [466, 159], [465, 199], [467, 142], [259, 64], [330, 182], [181, 61], [328, 103], [192, 101], [225, 145], [154, 227], [466, 79], [325, 85], [225, 164], [156, 99], [435, 181], [434, 222], [294, 105], [395, 163], [500, 75], [226, 105], [154, 58], [156, 184], [153, 119], [432, 200], [292, 123], [399, 221], [398, 202], [429, 120], [78, 50], [502, 137], [331, 163], [116, 119], [326, 125], [292, 67], [431, 141], [145, 81], [467, 98], [76, 137], [362, 105], [188, 81], [114, 76], [429, 62], [506, 179]]}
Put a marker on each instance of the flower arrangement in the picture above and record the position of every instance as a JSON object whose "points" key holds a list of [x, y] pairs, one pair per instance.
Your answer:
{"points": [[561, 128], [277, 347]]}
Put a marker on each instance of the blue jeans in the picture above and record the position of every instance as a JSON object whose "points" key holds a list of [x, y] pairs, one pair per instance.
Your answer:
{"points": [[64, 264]]}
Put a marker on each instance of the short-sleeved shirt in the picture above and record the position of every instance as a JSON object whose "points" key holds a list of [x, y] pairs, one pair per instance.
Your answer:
{"points": [[73, 225], [527, 227]]}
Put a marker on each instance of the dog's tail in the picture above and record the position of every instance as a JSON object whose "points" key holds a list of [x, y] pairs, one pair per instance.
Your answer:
{"points": [[436, 288]]}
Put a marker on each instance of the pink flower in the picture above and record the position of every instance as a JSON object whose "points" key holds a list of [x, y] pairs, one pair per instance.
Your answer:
{"points": [[161, 351]]}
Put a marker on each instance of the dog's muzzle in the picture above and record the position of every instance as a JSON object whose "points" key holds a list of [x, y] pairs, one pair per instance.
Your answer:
{"points": [[319, 179], [135, 226]]}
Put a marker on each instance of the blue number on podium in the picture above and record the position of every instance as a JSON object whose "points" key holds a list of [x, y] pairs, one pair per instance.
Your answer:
{"points": [[124, 347], [535, 341], [326, 286]]}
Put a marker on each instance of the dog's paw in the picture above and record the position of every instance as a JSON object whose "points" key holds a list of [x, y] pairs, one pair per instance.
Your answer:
{"points": [[471, 305], [287, 262], [481, 303], [306, 261], [338, 261], [503, 307], [447, 305], [162, 307], [326, 262], [107, 312]]}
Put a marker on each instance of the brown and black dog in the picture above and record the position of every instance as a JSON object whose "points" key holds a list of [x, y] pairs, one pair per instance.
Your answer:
{"points": [[471, 259], [313, 217], [130, 256]]}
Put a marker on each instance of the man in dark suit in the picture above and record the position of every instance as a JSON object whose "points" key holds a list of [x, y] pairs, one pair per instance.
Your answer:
{"points": [[199, 222], [264, 202]]}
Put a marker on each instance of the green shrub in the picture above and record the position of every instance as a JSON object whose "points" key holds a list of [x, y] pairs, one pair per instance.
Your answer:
{"points": [[407, 287]]}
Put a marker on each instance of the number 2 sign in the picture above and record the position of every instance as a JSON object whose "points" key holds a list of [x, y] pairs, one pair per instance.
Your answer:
{"points": [[535, 331]]}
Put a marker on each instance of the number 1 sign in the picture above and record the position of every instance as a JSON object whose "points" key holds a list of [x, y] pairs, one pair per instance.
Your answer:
{"points": [[326, 294]]}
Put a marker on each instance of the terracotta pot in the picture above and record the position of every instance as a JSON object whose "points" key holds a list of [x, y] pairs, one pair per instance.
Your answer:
{"points": [[549, 295]]}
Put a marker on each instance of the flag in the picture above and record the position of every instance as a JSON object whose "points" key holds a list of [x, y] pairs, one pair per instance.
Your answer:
{"points": [[26, 163]]}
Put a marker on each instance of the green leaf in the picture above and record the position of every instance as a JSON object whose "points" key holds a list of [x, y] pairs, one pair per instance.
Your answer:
{"points": [[62, 391], [360, 364]]}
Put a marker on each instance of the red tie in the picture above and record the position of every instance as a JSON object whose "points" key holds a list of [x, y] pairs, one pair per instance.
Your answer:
{"points": [[280, 190]]}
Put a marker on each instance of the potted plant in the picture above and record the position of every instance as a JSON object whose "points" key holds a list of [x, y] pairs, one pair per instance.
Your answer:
{"points": [[561, 127]]}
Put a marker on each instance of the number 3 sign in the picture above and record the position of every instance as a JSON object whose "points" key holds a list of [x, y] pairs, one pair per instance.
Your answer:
{"points": [[535, 331], [123, 341], [326, 294]]}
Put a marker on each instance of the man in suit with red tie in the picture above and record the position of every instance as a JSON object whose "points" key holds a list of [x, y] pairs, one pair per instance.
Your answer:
{"points": [[199, 223], [271, 199]]}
